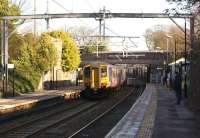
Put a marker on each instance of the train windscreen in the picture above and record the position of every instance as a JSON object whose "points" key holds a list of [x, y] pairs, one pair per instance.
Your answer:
{"points": [[103, 71], [87, 72]]}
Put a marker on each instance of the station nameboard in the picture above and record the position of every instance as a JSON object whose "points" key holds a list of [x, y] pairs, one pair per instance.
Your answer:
{"points": [[11, 66]]}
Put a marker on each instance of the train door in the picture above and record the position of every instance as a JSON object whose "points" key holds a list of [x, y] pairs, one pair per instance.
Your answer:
{"points": [[95, 77], [86, 76]]}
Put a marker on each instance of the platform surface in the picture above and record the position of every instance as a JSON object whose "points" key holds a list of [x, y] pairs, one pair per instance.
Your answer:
{"points": [[6, 104], [156, 115], [129, 125], [172, 120]]}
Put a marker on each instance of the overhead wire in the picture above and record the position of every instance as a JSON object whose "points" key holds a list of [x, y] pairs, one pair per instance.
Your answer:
{"points": [[108, 28], [61, 6], [81, 20], [67, 10], [134, 45], [90, 6]]}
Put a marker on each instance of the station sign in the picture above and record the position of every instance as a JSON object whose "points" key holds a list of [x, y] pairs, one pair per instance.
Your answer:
{"points": [[11, 66]]}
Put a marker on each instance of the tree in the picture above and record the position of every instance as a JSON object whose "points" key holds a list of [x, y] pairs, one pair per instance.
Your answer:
{"points": [[91, 47], [30, 39], [8, 8], [46, 53], [34, 56], [15, 42], [70, 53], [185, 5], [27, 75], [86, 41], [157, 37], [187, 1]]}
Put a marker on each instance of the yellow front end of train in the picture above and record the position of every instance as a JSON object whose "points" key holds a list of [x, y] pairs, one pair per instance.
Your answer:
{"points": [[96, 76]]}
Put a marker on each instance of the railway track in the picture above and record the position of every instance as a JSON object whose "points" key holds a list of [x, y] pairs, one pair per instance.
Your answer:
{"points": [[64, 121], [29, 117], [26, 127], [79, 123], [78, 132]]}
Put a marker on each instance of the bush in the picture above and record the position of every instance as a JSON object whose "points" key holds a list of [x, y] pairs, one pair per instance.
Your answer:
{"points": [[33, 60], [70, 53], [37, 55]]}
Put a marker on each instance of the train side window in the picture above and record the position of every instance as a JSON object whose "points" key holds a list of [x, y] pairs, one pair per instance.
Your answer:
{"points": [[114, 72], [87, 71], [103, 71], [110, 73]]}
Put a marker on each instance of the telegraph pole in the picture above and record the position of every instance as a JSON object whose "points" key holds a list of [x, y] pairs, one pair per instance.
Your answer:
{"points": [[104, 22], [4, 56], [102, 27], [100, 24], [175, 54], [34, 21], [47, 19]]}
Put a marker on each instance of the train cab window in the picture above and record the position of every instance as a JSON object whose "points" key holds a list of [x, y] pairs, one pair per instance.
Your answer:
{"points": [[103, 71], [87, 71]]}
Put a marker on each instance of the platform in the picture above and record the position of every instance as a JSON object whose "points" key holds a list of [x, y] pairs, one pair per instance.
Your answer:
{"points": [[24, 101], [173, 121], [156, 115]]}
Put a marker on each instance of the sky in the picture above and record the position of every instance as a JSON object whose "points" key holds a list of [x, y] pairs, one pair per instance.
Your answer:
{"points": [[122, 27]]}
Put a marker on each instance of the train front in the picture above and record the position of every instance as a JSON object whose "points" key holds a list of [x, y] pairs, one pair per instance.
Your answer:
{"points": [[95, 80]]}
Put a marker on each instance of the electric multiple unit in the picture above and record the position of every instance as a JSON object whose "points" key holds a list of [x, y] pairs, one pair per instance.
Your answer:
{"points": [[99, 78]]}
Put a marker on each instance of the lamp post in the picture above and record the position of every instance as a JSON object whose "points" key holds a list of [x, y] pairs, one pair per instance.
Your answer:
{"points": [[167, 49], [166, 68], [175, 53], [162, 69], [168, 36], [185, 67]]}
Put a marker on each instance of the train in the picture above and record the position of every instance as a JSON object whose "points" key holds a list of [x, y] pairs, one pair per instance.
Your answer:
{"points": [[100, 78]]}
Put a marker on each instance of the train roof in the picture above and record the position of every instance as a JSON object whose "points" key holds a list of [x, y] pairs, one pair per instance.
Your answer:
{"points": [[96, 64]]}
